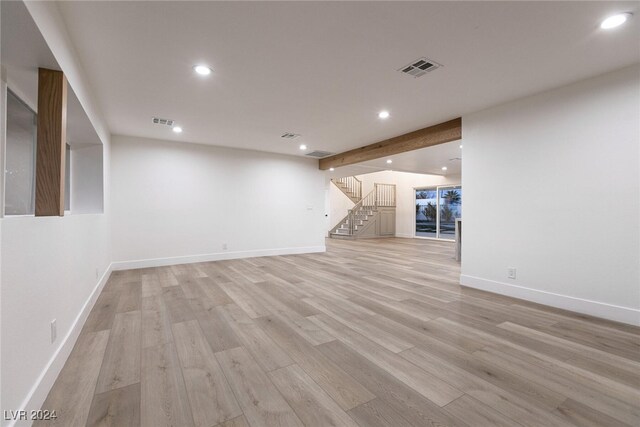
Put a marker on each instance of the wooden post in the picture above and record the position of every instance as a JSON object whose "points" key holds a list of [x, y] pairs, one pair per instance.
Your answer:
{"points": [[52, 138]]}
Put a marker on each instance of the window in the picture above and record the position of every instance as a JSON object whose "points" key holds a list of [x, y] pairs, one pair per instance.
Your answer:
{"points": [[437, 210], [20, 160]]}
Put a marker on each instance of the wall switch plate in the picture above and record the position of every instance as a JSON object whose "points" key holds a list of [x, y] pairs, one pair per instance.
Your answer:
{"points": [[97, 273], [511, 273], [224, 246], [54, 331]]}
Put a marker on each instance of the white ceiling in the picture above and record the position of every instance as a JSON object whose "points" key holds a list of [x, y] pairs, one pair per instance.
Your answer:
{"points": [[324, 69], [23, 52]]}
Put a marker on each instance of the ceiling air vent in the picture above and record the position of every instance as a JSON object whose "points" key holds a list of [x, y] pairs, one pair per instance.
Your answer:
{"points": [[420, 67], [159, 121], [319, 154], [289, 135]]}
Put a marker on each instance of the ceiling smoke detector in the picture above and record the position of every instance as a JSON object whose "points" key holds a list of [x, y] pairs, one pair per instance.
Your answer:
{"points": [[159, 121], [420, 67], [319, 154], [290, 135]]}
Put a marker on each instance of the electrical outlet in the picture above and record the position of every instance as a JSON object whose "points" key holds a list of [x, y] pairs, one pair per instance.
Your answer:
{"points": [[54, 331], [511, 273], [224, 246]]}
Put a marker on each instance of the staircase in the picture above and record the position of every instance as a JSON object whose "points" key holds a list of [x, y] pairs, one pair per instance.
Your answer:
{"points": [[350, 186], [372, 216]]}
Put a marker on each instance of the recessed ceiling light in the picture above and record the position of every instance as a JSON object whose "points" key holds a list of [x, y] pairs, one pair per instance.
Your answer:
{"points": [[303, 147], [383, 114], [177, 129], [332, 169], [615, 21], [203, 70], [444, 168], [389, 161]]}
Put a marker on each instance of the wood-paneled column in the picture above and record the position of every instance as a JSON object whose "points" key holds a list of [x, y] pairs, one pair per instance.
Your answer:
{"points": [[52, 138]]}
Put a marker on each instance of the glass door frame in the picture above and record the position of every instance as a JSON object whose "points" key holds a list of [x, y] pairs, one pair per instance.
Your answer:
{"points": [[437, 189]]}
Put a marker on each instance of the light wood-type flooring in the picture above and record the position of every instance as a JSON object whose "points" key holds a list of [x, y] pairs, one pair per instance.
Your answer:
{"points": [[370, 333]]}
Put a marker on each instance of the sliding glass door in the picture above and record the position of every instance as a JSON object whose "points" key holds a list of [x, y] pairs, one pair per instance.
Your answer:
{"points": [[427, 212], [436, 211], [450, 199]]}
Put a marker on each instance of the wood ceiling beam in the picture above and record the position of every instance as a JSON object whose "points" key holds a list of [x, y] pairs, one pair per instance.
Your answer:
{"points": [[427, 137], [52, 138]]}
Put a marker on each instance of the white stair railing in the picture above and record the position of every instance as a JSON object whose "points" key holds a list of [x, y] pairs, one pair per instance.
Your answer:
{"points": [[352, 185], [367, 202], [385, 195], [382, 195]]}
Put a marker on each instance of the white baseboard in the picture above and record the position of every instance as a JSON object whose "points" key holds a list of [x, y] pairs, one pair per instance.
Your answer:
{"points": [[38, 393], [189, 259], [593, 308]]}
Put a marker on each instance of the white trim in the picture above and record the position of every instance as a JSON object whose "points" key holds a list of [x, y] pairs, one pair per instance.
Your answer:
{"points": [[189, 259], [616, 313], [38, 393]]}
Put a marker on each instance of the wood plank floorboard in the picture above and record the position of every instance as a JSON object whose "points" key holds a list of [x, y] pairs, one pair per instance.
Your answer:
{"points": [[371, 333], [340, 385], [477, 414], [164, 400], [116, 408], [209, 393], [378, 413], [308, 400], [259, 399], [74, 388], [263, 349], [121, 365]]}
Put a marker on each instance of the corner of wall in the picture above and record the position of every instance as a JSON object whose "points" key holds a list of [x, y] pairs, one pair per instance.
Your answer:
{"points": [[38, 393]]}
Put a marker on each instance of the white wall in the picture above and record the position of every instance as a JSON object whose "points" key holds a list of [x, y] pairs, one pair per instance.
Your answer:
{"points": [[405, 198], [49, 268], [87, 179], [175, 202], [48, 265], [552, 187]]}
